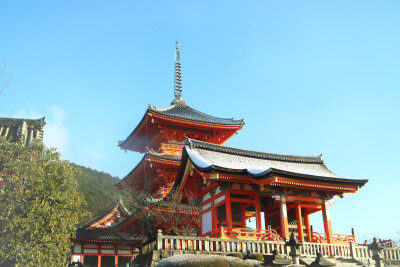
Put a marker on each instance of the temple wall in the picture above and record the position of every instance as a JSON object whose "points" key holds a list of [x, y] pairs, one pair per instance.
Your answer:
{"points": [[206, 222]]}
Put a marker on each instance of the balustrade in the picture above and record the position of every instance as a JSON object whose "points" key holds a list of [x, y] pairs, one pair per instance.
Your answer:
{"points": [[244, 233], [337, 238], [226, 245]]}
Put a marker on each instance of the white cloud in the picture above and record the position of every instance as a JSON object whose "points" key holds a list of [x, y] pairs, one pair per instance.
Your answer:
{"points": [[55, 132]]}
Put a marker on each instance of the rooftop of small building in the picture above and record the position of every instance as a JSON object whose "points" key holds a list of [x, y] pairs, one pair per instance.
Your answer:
{"points": [[109, 234], [113, 206], [22, 130], [9, 122]]}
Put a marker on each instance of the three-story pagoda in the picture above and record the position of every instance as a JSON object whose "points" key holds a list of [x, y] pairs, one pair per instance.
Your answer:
{"points": [[160, 136]]}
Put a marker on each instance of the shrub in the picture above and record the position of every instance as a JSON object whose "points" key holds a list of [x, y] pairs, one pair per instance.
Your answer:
{"points": [[235, 254], [253, 263], [254, 256], [236, 262], [189, 260]]}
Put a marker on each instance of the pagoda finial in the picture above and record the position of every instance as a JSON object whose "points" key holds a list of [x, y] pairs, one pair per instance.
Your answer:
{"points": [[178, 81]]}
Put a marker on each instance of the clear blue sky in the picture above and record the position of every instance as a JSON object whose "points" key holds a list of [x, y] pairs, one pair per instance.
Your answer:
{"points": [[308, 77]]}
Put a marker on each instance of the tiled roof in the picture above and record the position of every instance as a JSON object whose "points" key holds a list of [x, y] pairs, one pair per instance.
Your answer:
{"points": [[251, 153], [151, 153], [208, 157], [182, 111], [105, 234], [22, 130], [107, 211]]}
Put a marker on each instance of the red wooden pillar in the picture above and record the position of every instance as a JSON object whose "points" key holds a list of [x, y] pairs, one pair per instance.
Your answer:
{"points": [[99, 255], [228, 209], [82, 251], [242, 215], [327, 222], [214, 215], [284, 220], [116, 255], [257, 210], [299, 222], [201, 219], [308, 228]]}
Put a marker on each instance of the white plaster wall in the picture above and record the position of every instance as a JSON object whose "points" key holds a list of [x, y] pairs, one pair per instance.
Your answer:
{"points": [[91, 250], [221, 198], [206, 196], [206, 206], [206, 222], [77, 248]]}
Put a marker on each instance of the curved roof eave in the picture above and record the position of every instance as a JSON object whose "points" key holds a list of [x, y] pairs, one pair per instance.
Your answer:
{"points": [[149, 153], [122, 143], [185, 112], [101, 216], [271, 171]]}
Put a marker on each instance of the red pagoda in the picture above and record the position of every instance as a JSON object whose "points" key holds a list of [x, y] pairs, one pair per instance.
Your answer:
{"points": [[160, 136], [184, 159]]}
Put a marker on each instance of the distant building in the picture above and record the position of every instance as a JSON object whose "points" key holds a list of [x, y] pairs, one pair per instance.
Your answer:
{"points": [[22, 130]]}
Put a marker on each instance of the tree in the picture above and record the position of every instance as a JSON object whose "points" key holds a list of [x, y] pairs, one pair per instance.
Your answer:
{"points": [[39, 206], [170, 213]]}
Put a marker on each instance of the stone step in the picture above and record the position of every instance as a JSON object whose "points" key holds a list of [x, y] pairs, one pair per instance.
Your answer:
{"points": [[340, 262]]}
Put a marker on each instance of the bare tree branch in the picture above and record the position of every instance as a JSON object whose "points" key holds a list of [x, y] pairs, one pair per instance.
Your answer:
{"points": [[5, 85], [169, 213]]}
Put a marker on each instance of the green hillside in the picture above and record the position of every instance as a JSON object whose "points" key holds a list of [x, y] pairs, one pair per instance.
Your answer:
{"points": [[98, 189]]}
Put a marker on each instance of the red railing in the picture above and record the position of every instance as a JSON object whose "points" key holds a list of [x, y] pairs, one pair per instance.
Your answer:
{"points": [[337, 238], [244, 233], [171, 149]]}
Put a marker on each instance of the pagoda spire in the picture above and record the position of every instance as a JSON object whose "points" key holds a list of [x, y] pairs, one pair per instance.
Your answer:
{"points": [[178, 80]]}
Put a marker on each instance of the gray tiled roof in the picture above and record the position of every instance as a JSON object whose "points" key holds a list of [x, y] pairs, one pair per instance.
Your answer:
{"points": [[22, 130], [183, 111], [208, 157], [152, 153], [106, 234]]}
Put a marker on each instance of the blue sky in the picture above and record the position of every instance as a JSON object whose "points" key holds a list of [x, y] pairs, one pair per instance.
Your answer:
{"points": [[308, 77]]}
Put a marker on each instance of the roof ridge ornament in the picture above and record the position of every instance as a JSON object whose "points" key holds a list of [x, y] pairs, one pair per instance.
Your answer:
{"points": [[178, 79]]}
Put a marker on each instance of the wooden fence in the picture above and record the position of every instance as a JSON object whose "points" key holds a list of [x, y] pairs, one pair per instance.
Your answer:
{"points": [[220, 245]]}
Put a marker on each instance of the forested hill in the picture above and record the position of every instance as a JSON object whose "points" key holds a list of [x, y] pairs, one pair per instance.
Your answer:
{"points": [[97, 187]]}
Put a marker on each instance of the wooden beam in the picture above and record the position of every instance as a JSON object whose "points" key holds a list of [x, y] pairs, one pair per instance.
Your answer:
{"points": [[242, 200]]}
